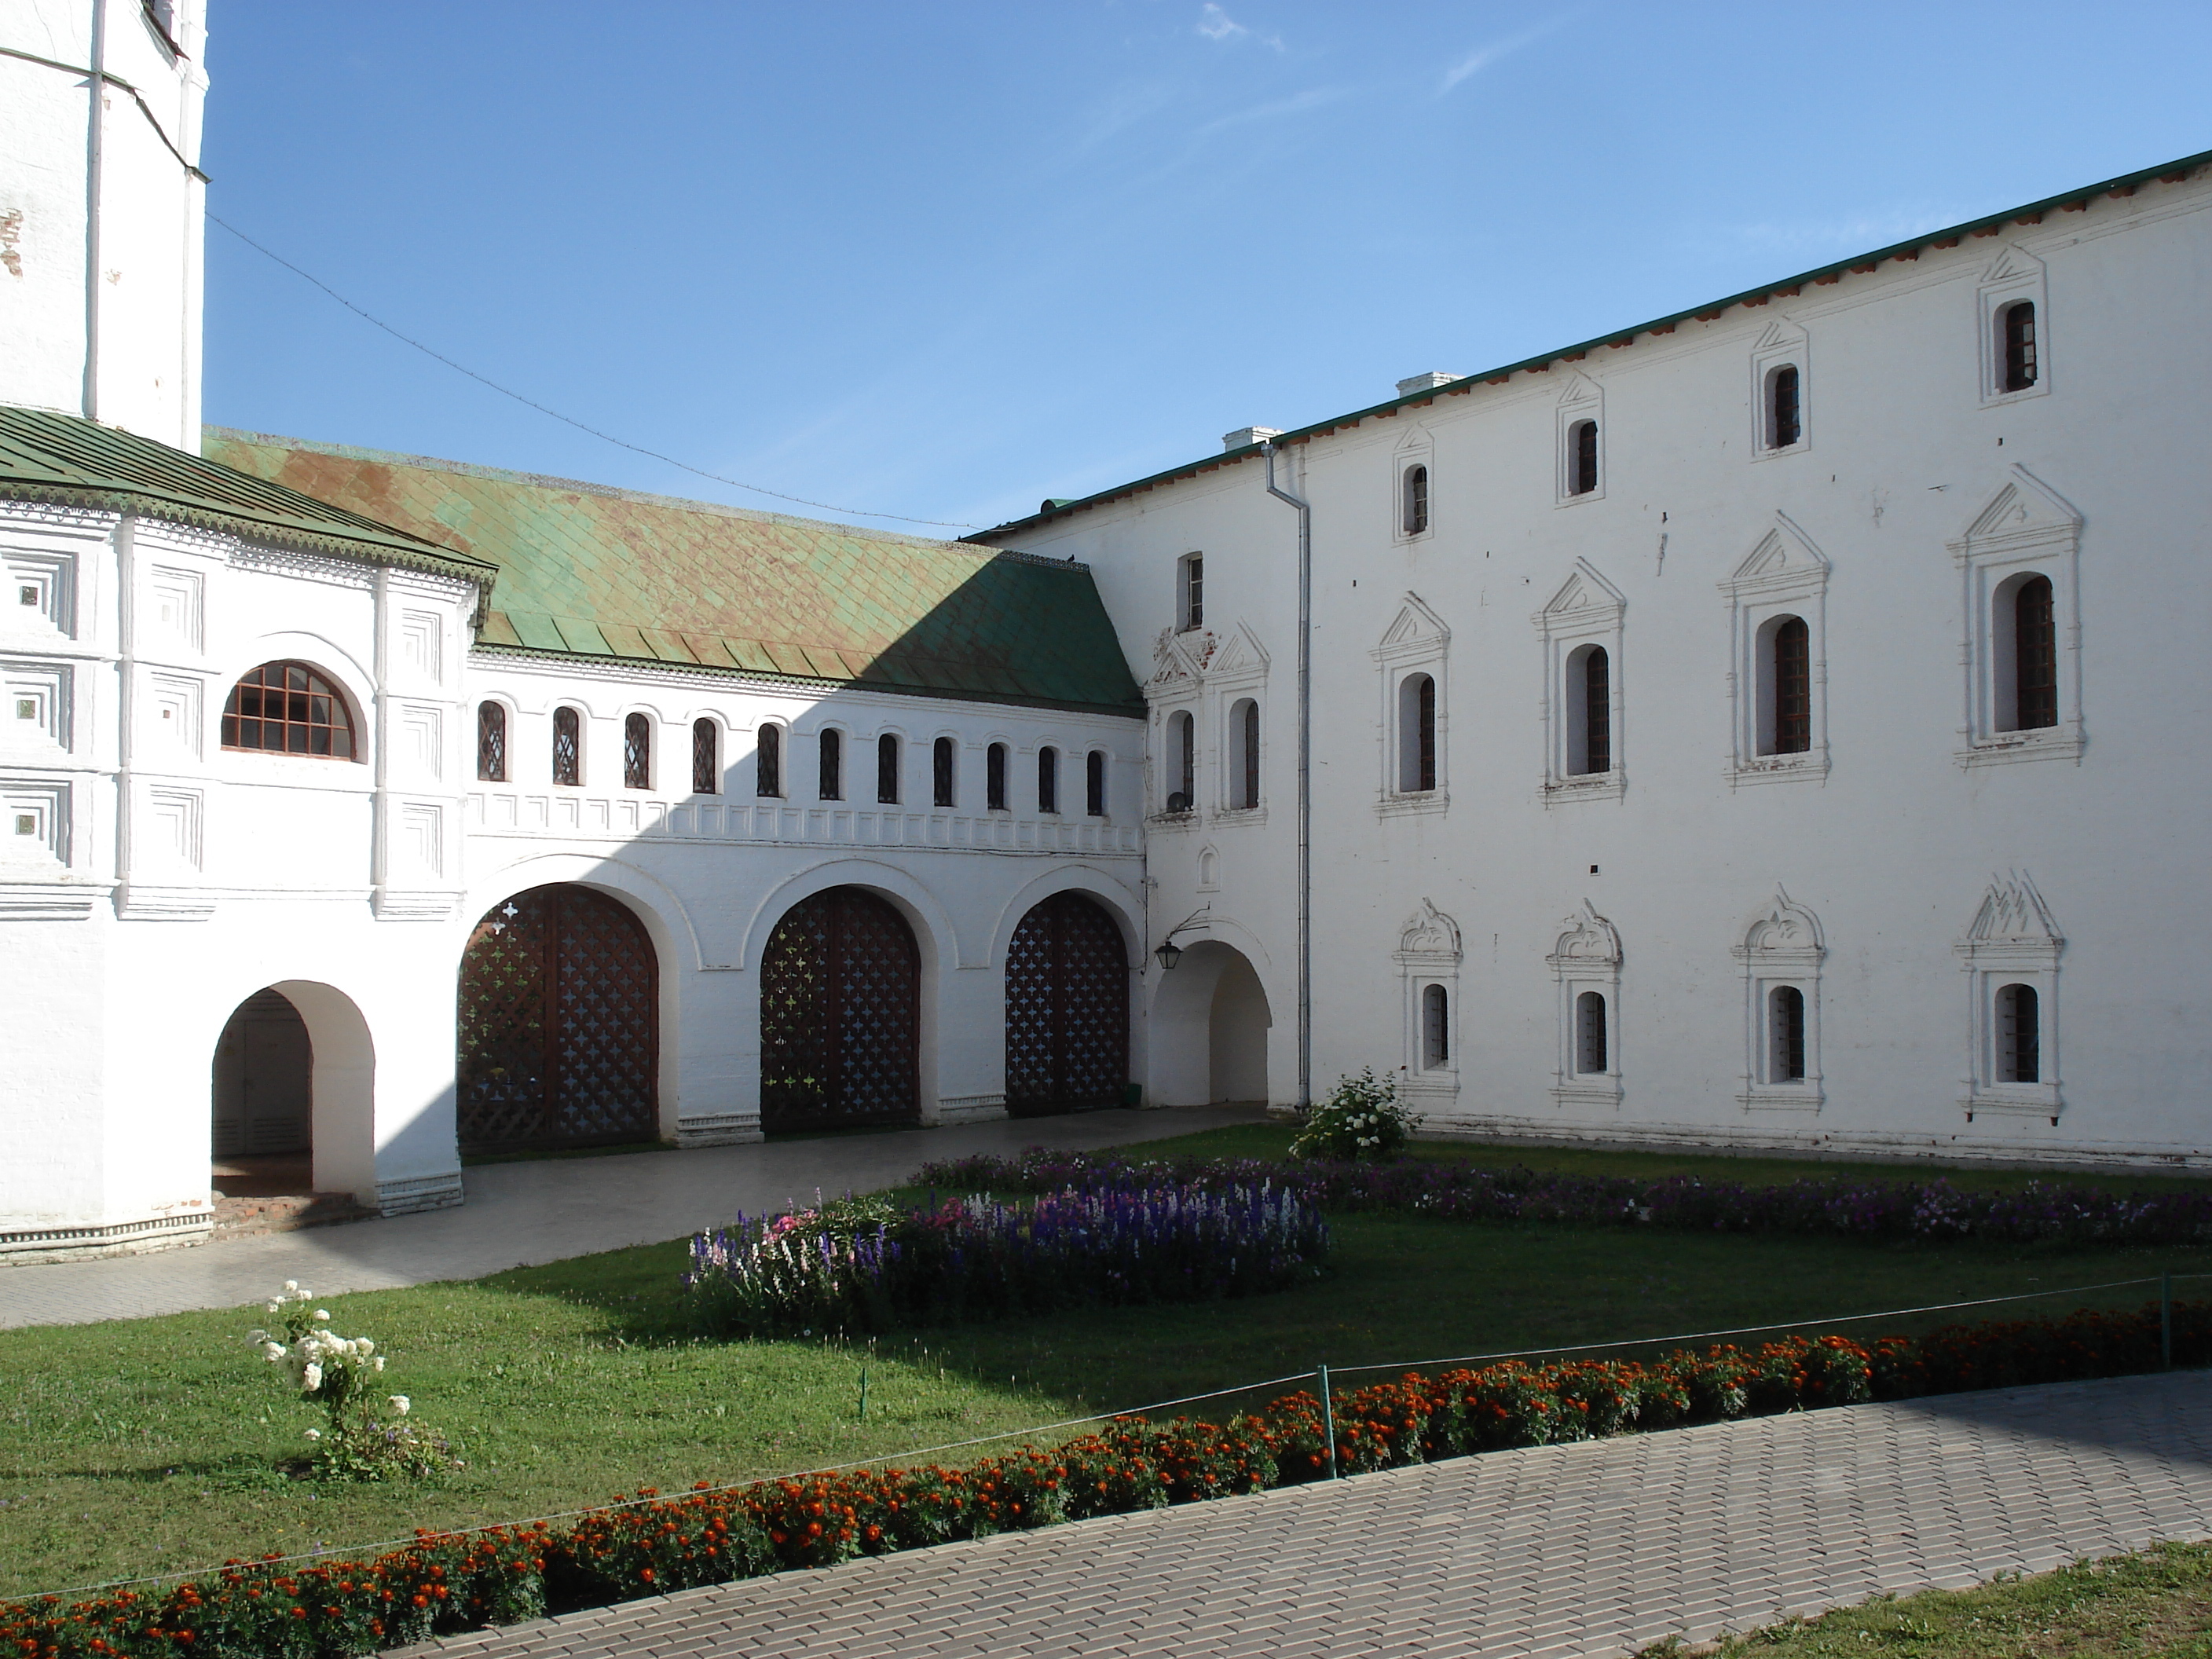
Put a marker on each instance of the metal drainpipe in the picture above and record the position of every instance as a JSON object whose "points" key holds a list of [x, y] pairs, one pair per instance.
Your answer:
{"points": [[94, 146], [1305, 778]]}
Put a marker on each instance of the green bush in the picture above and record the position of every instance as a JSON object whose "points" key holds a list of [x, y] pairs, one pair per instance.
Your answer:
{"points": [[1361, 1120]]}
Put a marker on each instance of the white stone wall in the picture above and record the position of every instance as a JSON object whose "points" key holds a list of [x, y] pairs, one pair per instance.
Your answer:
{"points": [[138, 317], [1866, 862]]}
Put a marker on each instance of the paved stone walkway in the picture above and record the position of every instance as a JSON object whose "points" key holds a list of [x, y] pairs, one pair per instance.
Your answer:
{"points": [[546, 1210], [1588, 1549]]}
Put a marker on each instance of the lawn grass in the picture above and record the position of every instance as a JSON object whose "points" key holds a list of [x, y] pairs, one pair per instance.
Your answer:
{"points": [[2158, 1603]]}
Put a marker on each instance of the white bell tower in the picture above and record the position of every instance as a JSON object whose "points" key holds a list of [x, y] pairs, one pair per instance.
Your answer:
{"points": [[101, 210]]}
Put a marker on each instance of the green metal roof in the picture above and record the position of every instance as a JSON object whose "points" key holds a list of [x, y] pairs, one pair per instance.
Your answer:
{"points": [[73, 462], [589, 572]]}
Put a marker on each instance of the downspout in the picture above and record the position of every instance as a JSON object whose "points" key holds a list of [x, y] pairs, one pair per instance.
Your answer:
{"points": [[1305, 778], [93, 147]]}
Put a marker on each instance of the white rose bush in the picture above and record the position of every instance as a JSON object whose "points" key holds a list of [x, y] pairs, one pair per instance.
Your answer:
{"points": [[363, 1437], [1361, 1120]]}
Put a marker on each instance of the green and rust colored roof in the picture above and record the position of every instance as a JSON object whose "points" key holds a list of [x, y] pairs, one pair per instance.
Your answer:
{"points": [[593, 573], [72, 462]]}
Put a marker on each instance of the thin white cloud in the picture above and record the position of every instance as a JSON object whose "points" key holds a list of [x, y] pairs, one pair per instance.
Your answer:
{"points": [[1298, 104], [1216, 24], [1845, 233], [1483, 57]]}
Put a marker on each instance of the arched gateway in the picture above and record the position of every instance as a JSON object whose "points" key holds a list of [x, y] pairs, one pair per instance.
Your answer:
{"points": [[841, 1015], [1067, 1008], [559, 1025]]}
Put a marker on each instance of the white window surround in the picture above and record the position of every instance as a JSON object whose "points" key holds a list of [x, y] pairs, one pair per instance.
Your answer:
{"points": [[1418, 449], [1782, 345], [1235, 672], [41, 597], [2027, 528], [1588, 610], [1209, 870], [1783, 575], [1586, 957], [1582, 400], [35, 832], [1167, 773], [35, 716], [2013, 274], [2012, 940], [1428, 954], [1782, 946], [1416, 642], [1190, 593]]}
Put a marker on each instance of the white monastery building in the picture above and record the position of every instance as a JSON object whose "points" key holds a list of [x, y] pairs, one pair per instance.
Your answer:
{"points": [[1748, 729]]}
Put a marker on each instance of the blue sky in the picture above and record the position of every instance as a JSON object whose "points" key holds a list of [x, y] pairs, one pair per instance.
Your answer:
{"points": [[943, 261]]}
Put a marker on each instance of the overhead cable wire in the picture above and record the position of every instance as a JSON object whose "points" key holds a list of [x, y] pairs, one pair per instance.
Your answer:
{"points": [[570, 419]]}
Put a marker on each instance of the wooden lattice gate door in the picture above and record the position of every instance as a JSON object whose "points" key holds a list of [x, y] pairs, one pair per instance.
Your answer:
{"points": [[559, 1025], [841, 1015], [1067, 1009]]}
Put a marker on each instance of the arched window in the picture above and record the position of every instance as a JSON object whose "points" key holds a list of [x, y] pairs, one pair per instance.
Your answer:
{"points": [[994, 778], [491, 742], [637, 752], [832, 779], [289, 708], [1047, 780], [1590, 731], [2016, 324], [1417, 734], [1436, 1043], [942, 754], [1094, 783], [2020, 1035], [567, 746], [1182, 759], [1244, 755], [2034, 656], [706, 757], [1789, 675], [1581, 458], [768, 760], [1785, 1027], [887, 769], [1784, 424], [1413, 511], [1590, 1056]]}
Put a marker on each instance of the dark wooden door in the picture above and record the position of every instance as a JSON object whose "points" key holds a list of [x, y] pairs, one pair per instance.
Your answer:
{"points": [[1067, 1008], [559, 1025], [841, 1015]]}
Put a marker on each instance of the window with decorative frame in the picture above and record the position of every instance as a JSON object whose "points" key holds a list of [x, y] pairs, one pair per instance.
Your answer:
{"points": [[1780, 955], [1413, 505], [2020, 563], [2010, 958], [491, 742], [1428, 961], [282, 708], [568, 747], [1585, 963], [2013, 305], [1413, 658], [637, 752], [706, 756], [1781, 417], [1580, 416], [1777, 680], [1581, 629]]}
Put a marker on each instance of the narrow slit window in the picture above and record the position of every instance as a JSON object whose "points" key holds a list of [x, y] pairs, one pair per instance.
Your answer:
{"points": [[1190, 600], [1182, 743], [637, 752], [1590, 1055], [1597, 690], [768, 762], [1047, 780], [941, 756], [2035, 655], [567, 746], [2020, 1035], [289, 708], [2018, 328], [491, 742], [832, 783], [1094, 783], [1248, 770], [1793, 687], [887, 770], [1582, 460], [1436, 1045], [1785, 1011], [1784, 424], [1417, 734], [1414, 517], [994, 778], [706, 757]]}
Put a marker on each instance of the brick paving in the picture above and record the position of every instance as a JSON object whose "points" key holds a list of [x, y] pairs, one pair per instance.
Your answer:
{"points": [[1589, 1549], [546, 1210]]}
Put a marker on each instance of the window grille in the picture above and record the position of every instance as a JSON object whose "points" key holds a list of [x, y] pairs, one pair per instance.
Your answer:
{"points": [[1597, 710], [289, 708], [940, 768], [2020, 366], [1582, 474], [1589, 1034], [994, 778], [637, 752], [768, 760], [1793, 688], [1047, 780], [1425, 725], [2035, 655], [887, 769], [706, 757], [1416, 516], [1784, 427], [1094, 783], [2020, 1035], [491, 742], [1785, 1007], [832, 785], [1193, 599], [568, 747], [1249, 794], [1436, 1048]]}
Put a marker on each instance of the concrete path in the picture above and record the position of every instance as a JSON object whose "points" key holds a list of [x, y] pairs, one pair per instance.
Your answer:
{"points": [[521, 1215], [1595, 1548]]}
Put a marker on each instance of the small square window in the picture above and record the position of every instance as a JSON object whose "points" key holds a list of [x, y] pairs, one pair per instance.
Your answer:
{"points": [[27, 594], [26, 823], [27, 708]]}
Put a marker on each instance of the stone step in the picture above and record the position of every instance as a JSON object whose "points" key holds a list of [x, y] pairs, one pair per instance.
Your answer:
{"points": [[237, 1218]]}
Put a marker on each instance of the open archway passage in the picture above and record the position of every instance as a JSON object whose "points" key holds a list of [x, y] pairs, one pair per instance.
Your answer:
{"points": [[263, 1069], [841, 1015], [560, 1038], [1067, 1008]]}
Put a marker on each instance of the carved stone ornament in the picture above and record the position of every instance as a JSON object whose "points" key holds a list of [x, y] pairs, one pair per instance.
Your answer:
{"points": [[1589, 941], [1430, 933], [1784, 929], [2013, 913], [1179, 656]]}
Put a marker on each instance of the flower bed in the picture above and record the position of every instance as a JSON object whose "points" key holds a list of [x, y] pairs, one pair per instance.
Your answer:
{"points": [[859, 1266], [441, 1585], [2050, 1212]]}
